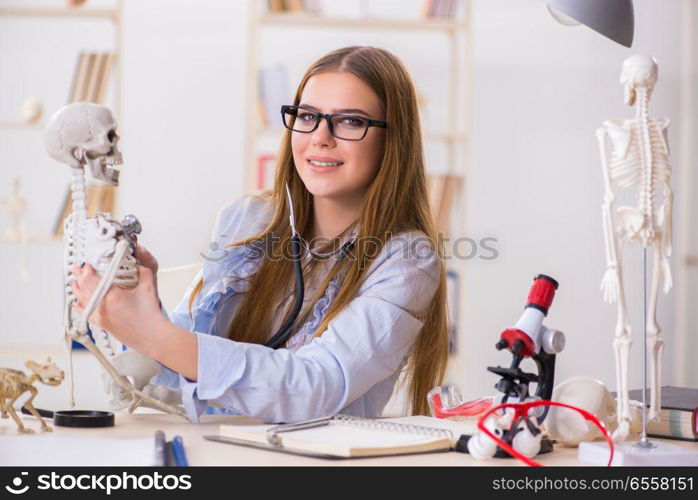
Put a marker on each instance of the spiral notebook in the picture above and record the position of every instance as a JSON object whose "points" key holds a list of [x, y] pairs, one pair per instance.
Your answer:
{"points": [[342, 436]]}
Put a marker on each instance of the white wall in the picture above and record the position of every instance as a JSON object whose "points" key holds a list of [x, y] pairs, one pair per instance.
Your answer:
{"points": [[183, 92], [540, 91], [687, 285]]}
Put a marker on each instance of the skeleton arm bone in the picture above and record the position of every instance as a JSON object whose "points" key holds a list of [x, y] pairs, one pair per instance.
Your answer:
{"points": [[103, 286], [128, 392], [610, 282], [665, 243]]}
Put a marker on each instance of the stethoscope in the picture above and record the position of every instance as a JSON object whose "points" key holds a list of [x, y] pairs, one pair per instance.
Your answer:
{"points": [[297, 243]]}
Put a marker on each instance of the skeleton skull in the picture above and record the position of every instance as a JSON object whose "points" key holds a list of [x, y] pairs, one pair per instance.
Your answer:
{"points": [[569, 427], [638, 71], [82, 134]]}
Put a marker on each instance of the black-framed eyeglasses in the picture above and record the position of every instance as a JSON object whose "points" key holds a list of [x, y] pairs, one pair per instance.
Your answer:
{"points": [[342, 126]]}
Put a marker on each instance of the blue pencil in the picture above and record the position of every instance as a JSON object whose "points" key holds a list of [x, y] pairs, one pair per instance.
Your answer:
{"points": [[178, 449]]}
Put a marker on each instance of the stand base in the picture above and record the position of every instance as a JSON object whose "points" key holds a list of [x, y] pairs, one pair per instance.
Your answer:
{"points": [[629, 453]]}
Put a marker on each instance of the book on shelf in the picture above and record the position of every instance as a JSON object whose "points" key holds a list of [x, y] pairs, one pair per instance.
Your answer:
{"points": [[439, 9], [312, 7], [678, 417], [265, 171], [452, 309], [276, 5], [442, 191], [273, 92], [297, 6], [342, 436], [293, 5]]}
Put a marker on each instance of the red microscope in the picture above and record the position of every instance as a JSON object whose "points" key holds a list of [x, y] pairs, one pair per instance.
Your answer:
{"points": [[529, 338]]}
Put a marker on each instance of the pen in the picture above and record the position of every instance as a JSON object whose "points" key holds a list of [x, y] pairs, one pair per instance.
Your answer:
{"points": [[159, 448], [178, 449], [272, 432]]}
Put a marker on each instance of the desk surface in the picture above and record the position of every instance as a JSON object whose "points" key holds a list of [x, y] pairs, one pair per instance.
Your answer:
{"points": [[203, 452]]}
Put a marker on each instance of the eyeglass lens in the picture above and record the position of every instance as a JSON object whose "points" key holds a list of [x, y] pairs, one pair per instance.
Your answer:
{"points": [[347, 127]]}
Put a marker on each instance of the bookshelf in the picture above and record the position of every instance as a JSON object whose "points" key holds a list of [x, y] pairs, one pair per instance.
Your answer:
{"points": [[317, 20], [453, 137], [110, 64], [458, 70], [65, 12]]}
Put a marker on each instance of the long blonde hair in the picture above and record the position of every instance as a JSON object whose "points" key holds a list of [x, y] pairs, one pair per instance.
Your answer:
{"points": [[395, 201]]}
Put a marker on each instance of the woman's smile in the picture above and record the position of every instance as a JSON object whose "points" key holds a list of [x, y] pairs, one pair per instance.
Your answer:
{"points": [[323, 164]]}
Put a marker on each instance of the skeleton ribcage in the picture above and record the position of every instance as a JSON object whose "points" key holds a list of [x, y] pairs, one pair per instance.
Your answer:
{"points": [[628, 170]]}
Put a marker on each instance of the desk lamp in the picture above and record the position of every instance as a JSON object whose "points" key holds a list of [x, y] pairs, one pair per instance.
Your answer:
{"points": [[614, 19]]}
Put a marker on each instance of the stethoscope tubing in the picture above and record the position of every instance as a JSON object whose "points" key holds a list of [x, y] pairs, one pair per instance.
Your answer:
{"points": [[286, 330]]}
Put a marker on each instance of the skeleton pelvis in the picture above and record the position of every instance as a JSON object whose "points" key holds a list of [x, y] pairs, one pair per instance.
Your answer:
{"points": [[631, 222]]}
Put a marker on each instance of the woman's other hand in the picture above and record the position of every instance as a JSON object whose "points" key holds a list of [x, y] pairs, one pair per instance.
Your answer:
{"points": [[145, 258]]}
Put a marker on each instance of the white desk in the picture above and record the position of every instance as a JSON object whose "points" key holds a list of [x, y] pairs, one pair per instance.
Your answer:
{"points": [[202, 452]]}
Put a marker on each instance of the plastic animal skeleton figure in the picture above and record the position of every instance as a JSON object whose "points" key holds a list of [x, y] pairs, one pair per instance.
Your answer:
{"points": [[639, 159], [14, 383], [84, 134]]}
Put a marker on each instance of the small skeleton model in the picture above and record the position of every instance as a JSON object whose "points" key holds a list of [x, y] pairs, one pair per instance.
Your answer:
{"points": [[84, 134], [13, 205], [639, 159], [14, 383]]}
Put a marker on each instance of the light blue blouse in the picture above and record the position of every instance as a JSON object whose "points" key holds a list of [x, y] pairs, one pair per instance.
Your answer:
{"points": [[352, 368]]}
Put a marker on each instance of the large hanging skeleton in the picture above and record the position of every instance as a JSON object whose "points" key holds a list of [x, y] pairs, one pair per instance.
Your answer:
{"points": [[639, 159], [84, 134]]}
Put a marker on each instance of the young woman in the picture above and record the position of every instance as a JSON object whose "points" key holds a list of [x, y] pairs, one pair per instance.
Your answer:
{"points": [[351, 168]]}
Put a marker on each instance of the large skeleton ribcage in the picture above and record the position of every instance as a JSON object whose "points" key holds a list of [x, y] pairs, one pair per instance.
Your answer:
{"points": [[626, 165]]}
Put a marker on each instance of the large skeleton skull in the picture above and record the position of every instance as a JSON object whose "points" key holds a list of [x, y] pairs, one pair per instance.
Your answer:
{"points": [[638, 71], [82, 134]]}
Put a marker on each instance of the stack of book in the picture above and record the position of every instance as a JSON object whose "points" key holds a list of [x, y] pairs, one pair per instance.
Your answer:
{"points": [[677, 418]]}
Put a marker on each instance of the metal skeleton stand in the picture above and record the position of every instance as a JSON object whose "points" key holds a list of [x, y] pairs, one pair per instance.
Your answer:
{"points": [[643, 452]]}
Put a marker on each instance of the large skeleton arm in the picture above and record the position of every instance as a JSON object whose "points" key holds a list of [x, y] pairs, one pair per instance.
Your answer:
{"points": [[665, 216], [610, 283]]}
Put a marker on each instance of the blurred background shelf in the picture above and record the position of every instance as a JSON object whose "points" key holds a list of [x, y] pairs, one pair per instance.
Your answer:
{"points": [[320, 21], [71, 12], [457, 76]]}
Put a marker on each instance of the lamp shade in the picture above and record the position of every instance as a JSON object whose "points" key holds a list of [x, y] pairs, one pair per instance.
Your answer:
{"points": [[614, 19]]}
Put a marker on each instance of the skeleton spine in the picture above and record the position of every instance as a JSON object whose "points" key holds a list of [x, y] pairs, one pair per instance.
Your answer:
{"points": [[646, 191]]}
